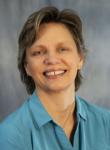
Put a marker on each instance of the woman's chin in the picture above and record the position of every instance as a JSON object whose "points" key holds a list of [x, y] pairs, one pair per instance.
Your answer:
{"points": [[57, 88]]}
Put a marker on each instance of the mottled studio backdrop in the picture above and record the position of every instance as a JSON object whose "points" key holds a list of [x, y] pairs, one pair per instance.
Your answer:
{"points": [[96, 25]]}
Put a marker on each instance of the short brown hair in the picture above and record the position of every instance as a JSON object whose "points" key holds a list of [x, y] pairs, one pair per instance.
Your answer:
{"points": [[29, 32]]}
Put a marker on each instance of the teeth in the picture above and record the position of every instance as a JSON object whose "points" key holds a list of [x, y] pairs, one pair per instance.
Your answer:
{"points": [[52, 73], [58, 72]]}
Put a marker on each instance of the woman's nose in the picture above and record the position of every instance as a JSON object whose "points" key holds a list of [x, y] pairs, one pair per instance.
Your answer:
{"points": [[52, 59]]}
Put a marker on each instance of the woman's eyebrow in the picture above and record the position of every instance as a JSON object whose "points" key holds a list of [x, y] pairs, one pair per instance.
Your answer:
{"points": [[38, 46]]}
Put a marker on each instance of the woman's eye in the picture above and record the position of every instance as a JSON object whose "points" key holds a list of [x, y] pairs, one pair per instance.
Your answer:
{"points": [[63, 49], [38, 53]]}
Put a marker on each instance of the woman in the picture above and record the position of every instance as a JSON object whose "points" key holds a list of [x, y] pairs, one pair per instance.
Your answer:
{"points": [[51, 55]]}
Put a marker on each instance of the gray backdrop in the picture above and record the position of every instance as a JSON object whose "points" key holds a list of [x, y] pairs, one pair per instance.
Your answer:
{"points": [[96, 20]]}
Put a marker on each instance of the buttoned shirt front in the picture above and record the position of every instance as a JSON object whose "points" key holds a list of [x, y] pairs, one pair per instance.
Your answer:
{"points": [[32, 128]]}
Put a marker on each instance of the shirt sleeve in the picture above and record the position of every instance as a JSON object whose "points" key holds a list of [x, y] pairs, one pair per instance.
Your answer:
{"points": [[10, 138], [107, 128]]}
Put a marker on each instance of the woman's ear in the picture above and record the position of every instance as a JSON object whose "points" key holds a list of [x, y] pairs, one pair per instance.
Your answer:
{"points": [[81, 62], [26, 66]]}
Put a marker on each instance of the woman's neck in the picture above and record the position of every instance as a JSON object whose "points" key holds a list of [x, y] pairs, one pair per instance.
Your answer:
{"points": [[57, 101], [61, 107]]}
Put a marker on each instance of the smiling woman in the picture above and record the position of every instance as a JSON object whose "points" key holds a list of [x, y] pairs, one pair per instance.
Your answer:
{"points": [[55, 57], [50, 57]]}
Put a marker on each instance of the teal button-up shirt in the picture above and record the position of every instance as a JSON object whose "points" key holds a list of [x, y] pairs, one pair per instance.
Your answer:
{"points": [[32, 128]]}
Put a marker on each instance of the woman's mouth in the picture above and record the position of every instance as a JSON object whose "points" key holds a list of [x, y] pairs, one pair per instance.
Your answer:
{"points": [[54, 73]]}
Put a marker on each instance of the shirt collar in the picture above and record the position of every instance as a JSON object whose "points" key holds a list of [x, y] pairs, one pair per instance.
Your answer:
{"points": [[38, 112], [41, 116], [81, 108]]}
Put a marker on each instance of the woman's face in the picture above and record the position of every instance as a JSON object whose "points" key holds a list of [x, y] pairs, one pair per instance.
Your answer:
{"points": [[52, 61]]}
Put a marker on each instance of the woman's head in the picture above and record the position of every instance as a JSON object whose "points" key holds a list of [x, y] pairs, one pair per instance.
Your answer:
{"points": [[29, 35]]}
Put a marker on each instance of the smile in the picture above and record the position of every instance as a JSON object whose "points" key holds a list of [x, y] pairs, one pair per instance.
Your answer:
{"points": [[54, 73]]}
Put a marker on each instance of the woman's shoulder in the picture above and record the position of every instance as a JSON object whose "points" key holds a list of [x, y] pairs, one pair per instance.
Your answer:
{"points": [[95, 111], [14, 129], [97, 124], [17, 119]]}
